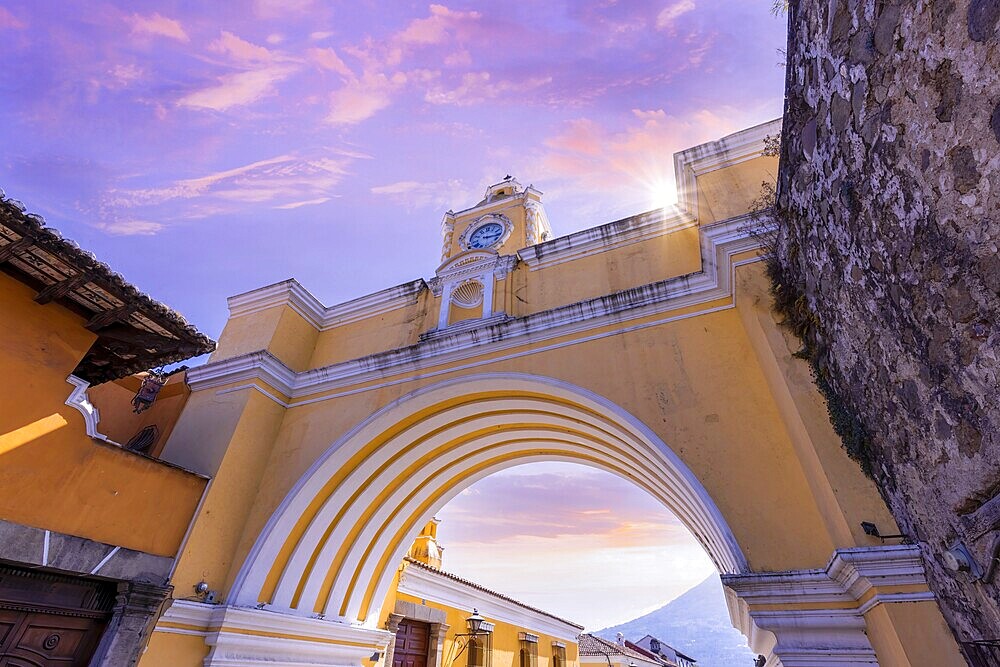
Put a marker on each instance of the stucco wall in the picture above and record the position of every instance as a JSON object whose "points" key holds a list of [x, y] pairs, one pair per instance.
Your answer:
{"points": [[52, 474], [887, 256]]}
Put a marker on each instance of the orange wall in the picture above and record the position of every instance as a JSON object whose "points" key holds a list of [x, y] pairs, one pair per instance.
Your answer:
{"points": [[55, 477], [120, 423]]}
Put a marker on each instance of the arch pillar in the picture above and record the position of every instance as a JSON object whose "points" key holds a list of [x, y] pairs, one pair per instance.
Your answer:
{"points": [[812, 618]]}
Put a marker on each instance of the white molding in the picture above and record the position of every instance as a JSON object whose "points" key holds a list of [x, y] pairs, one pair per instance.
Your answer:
{"points": [[719, 243], [292, 294], [442, 589], [848, 576], [830, 633], [79, 399], [725, 152], [240, 636]]}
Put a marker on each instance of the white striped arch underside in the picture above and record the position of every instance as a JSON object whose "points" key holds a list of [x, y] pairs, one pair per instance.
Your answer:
{"points": [[332, 546]]}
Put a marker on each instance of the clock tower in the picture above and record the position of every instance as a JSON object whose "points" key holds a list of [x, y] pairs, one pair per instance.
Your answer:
{"points": [[479, 249]]}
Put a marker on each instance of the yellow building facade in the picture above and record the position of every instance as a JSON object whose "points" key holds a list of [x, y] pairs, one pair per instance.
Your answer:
{"points": [[89, 529], [645, 347]]}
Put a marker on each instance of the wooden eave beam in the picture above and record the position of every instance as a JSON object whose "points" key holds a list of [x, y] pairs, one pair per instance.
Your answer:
{"points": [[61, 288], [15, 247], [107, 317]]}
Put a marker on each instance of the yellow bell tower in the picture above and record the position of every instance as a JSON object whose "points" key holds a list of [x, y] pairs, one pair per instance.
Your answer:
{"points": [[425, 548], [479, 247], [508, 218]]}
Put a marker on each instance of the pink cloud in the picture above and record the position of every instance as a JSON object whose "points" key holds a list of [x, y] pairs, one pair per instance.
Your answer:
{"points": [[582, 136], [328, 59], [634, 162], [237, 89], [158, 25], [416, 194], [667, 17], [276, 9], [130, 227], [477, 87], [434, 29], [360, 99], [307, 202], [285, 182], [458, 59], [239, 49], [10, 22]]}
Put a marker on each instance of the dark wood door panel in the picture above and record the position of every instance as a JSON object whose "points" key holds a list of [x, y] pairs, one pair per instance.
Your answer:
{"points": [[49, 619], [412, 639]]}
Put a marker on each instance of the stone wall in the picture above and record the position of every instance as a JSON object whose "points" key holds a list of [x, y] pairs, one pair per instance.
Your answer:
{"points": [[886, 260]]}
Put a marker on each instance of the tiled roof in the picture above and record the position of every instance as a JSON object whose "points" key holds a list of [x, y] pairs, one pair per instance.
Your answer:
{"points": [[593, 645], [134, 332], [663, 643], [472, 584], [649, 654]]}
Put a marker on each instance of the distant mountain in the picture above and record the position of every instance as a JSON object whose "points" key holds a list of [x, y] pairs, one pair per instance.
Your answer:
{"points": [[696, 623]]}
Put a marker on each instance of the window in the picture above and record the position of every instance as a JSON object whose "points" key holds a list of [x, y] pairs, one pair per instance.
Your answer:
{"points": [[529, 649], [477, 652], [558, 654]]}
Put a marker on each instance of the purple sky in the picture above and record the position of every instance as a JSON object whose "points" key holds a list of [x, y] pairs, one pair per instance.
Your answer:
{"points": [[205, 149], [578, 542]]}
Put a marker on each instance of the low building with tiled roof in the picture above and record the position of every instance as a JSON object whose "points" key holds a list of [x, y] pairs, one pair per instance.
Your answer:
{"points": [[665, 652], [599, 652]]}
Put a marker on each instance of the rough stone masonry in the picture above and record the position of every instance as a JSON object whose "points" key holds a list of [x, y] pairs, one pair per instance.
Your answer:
{"points": [[888, 204]]}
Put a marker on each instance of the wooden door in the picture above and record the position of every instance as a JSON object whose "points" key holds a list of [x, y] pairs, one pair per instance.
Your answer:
{"points": [[44, 640], [50, 620], [412, 639]]}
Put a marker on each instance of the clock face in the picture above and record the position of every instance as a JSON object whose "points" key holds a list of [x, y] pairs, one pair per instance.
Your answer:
{"points": [[486, 235]]}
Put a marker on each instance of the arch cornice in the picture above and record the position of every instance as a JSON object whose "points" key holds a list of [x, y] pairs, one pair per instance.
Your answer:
{"points": [[332, 544], [610, 315]]}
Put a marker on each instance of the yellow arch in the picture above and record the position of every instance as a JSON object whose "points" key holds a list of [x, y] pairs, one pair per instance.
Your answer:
{"points": [[332, 545]]}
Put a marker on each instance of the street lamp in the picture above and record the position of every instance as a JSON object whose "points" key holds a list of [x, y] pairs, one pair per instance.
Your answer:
{"points": [[475, 622]]}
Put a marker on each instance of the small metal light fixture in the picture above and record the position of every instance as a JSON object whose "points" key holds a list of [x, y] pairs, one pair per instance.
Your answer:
{"points": [[631, 663], [475, 622], [871, 529], [148, 391], [201, 588]]}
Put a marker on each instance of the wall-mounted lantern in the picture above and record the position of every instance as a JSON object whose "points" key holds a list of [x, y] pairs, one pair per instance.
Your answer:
{"points": [[475, 622], [148, 391]]}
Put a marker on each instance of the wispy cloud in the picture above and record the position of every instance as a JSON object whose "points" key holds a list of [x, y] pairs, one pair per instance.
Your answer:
{"points": [[283, 181], [328, 59], [360, 99], [415, 194], [307, 202], [668, 16], [238, 89], [435, 28], [10, 22], [158, 25], [240, 49], [278, 9], [129, 227], [478, 87]]}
